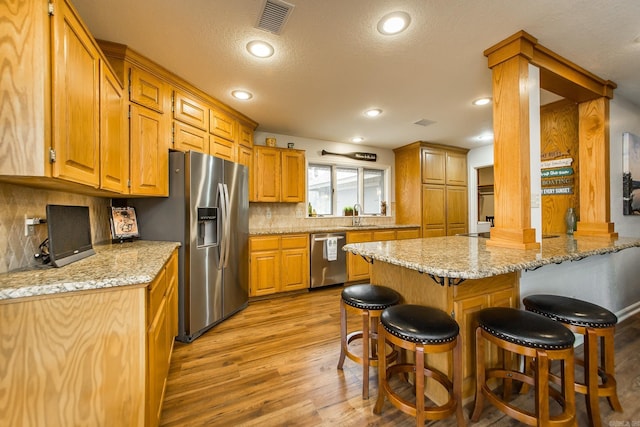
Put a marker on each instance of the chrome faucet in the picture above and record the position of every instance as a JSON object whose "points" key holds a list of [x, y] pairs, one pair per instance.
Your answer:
{"points": [[355, 219]]}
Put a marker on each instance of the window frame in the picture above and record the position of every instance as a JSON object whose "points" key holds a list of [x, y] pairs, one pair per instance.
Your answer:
{"points": [[337, 210]]}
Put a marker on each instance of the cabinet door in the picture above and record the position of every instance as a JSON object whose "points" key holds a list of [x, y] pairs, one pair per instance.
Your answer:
{"points": [[246, 136], [172, 297], [190, 111], [456, 210], [244, 157], [222, 148], [187, 138], [357, 267], [266, 174], [147, 90], [433, 166], [295, 269], [456, 168], [293, 176], [434, 221], [265, 273], [383, 235], [157, 365], [114, 143], [75, 100], [149, 152], [412, 233], [223, 125]]}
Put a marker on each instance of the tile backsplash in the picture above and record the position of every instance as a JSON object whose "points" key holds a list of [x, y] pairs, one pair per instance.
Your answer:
{"points": [[16, 202]]}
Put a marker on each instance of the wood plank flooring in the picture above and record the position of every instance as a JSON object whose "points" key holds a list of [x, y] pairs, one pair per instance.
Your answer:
{"points": [[274, 364]]}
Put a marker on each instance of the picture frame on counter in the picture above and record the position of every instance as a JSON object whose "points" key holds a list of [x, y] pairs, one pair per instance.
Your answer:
{"points": [[124, 224]]}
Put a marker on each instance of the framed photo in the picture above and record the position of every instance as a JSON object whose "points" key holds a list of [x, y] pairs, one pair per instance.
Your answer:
{"points": [[123, 223], [630, 174]]}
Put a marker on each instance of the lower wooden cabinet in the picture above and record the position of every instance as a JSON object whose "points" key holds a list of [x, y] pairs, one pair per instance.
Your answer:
{"points": [[357, 267], [278, 264], [162, 328]]}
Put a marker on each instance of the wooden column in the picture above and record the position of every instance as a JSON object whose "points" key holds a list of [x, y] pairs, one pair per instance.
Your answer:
{"points": [[509, 63], [593, 134]]}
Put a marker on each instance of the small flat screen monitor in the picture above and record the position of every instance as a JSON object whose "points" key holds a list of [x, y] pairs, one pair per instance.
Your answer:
{"points": [[69, 234]]}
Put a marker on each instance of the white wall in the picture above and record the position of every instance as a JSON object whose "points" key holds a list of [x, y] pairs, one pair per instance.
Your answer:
{"points": [[608, 280]]}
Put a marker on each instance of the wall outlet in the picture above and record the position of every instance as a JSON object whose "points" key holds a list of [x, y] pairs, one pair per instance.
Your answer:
{"points": [[535, 200], [299, 213], [268, 215]]}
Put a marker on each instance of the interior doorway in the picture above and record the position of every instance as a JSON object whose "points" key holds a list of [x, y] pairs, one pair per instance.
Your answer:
{"points": [[485, 197]]}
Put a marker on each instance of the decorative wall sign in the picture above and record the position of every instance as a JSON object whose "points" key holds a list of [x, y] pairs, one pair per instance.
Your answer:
{"points": [[356, 155], [557, 163], [557, 191], [557, 181], [630, 174], [556, 172]]}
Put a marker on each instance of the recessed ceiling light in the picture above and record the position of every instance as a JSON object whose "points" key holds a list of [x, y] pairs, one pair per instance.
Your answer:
{"points": [[242, 94], [357, 139], [373, 112], [394, 23], [485, 137], [260, 49], [481, 101]]}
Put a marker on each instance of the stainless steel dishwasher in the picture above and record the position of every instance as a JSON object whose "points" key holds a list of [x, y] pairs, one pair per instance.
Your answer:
{"points": [[328, 261]]}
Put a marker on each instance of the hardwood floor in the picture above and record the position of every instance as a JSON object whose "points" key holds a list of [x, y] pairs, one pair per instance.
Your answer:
{"points": [[274, 364]]}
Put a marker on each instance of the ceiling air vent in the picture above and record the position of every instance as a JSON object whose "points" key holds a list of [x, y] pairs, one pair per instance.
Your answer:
{"points": [[424, 122], [274, 15]]}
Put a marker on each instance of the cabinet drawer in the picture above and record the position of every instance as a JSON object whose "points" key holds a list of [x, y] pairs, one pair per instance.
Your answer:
{"points": [[359, 237], [412, 233], [246, 136], [295, 242], [264, 243], [156, 293], [221, 148], [384, 235], [190, 111], [147, 90], [187, 138], [222, 125]]}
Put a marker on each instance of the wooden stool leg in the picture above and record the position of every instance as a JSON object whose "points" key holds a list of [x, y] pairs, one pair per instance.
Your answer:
{"points": [[366, 339], [507, 383], [609, 367], [542, 388], [420, 385], [480, 376], [591, 377], [382, 369], [457, 381], [343, 334], [373, 322]]}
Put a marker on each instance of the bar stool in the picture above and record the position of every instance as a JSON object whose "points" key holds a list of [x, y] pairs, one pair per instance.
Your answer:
{"points": [[423, 330], [529, 335], [368, 301], [595, 323]]}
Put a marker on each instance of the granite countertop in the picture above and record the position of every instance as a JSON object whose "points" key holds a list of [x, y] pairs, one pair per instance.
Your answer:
{"points": [[297, 229], [468, 257], [117, 264]]}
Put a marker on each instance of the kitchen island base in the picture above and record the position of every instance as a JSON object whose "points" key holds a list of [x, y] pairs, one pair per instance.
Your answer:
{"points": [[463, 299]]}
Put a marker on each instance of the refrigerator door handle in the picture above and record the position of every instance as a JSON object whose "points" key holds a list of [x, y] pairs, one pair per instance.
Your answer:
{"points": [[227, 225], [223, 237]]}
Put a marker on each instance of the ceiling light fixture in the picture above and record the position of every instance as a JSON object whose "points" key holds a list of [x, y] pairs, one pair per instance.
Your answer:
{"points": [[242, 95], [357, 139], [481, 101], [374, 112], [260, 49], [394, 23], [485, 137]]}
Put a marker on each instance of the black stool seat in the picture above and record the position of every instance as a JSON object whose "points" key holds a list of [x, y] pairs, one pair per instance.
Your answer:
{"points": [[525, 328], [419, 324], [571, 311], [370, 297]]}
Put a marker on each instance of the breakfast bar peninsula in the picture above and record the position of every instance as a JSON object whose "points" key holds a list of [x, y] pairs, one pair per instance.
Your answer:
{"points": [[462, 275]]}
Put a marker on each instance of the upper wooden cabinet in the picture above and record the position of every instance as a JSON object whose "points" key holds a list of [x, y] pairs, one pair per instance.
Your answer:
{"points": [[149, 152], [222, 125], [147, 89], [433, 166], [246, 136], [456, 168], [278, 175], [189, 110], [114, 141]]}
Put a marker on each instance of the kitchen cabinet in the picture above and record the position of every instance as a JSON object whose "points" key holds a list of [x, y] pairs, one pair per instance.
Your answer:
{"points": [[149, 152], [244, 157], [278, 175], [222, 148], [222, 125], [114, 141], [439, 175], [89, 357], [162, 324], [189, 138], [278, 264], [190, 123], [357, 267]]}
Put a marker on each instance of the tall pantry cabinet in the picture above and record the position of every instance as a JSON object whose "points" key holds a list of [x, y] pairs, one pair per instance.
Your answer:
{"points": [[431, 188]]}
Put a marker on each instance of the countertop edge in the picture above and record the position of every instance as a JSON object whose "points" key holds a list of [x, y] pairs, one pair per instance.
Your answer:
{"points": [[327, 229]]}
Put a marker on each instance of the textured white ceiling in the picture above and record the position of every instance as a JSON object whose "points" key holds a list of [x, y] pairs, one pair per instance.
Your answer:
{"points": [[331, 64]]}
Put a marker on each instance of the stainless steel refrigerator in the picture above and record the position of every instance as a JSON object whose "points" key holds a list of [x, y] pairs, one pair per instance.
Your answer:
{"points": [[207, 211]]}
